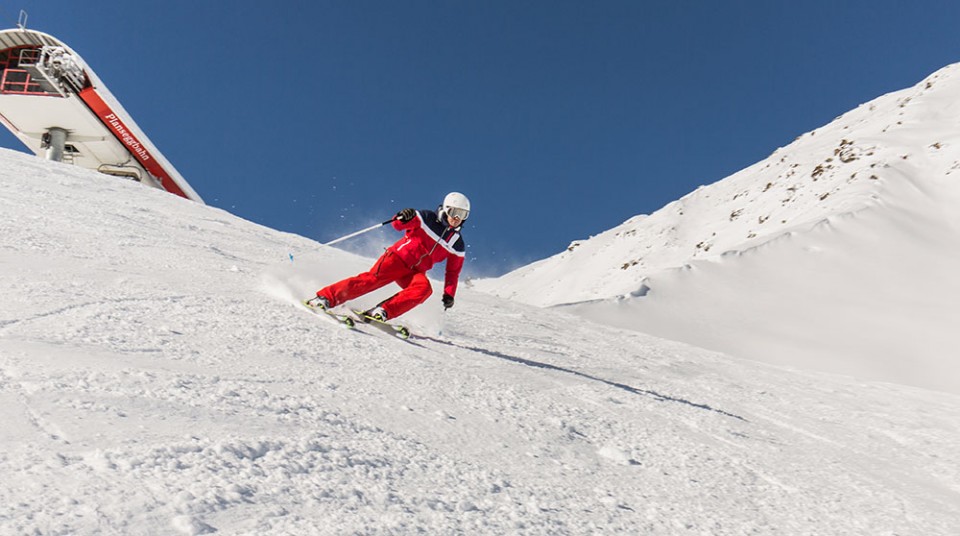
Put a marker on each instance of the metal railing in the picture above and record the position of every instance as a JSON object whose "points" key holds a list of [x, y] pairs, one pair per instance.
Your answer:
{"points": [[19, 82], [53, 68]]}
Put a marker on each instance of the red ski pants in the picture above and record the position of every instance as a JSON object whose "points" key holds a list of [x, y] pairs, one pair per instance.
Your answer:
{"points": [[388, 269]]}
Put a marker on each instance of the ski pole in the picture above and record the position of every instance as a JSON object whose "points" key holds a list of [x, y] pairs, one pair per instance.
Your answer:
{"points": [[360, 232]]}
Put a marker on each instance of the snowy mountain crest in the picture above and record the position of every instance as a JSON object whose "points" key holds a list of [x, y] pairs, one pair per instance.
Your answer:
{"points": [[830, 254], [843, 167]]}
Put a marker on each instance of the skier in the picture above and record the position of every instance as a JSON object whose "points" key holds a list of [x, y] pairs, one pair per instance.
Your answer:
{"points": [[429, 237]]}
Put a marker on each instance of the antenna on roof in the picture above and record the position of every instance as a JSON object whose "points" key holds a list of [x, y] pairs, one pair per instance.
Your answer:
{"points": [[22, 21]]}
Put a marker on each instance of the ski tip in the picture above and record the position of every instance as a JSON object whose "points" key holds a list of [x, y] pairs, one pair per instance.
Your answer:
{"points": [[344, 320]]}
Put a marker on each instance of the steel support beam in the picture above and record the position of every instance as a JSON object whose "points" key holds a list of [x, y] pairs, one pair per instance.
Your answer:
{"points": [[57, 140]]}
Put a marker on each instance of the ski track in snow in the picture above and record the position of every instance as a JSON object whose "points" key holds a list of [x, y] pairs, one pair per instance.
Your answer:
{"points": [[158, 376]]}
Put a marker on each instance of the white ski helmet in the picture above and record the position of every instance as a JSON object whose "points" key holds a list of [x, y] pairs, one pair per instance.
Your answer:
{"points": [[456, 205]]}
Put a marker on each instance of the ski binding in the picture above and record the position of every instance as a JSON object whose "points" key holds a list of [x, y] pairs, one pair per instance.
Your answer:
{"points": [[393, 329]]}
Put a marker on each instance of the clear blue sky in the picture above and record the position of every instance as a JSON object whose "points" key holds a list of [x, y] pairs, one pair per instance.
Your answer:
{"points": [[559, 119]]}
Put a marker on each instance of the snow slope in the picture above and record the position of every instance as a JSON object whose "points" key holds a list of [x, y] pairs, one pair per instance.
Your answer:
{"points": [[158, 377], [839, 252]]}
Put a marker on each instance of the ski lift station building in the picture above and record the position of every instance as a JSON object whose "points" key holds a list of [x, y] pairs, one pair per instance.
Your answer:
{"points": [[58, 107]]}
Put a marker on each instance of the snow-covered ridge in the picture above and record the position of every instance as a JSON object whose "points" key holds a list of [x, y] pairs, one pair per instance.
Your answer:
{"points": [[843, 167], [838, 253]]}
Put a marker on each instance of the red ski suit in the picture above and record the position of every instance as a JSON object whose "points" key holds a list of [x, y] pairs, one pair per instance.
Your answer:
{"points": [[426, 241]]}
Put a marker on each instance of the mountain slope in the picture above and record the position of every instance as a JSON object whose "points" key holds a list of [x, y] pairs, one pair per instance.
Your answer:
{"points": [[158, 377], [836, 252]]}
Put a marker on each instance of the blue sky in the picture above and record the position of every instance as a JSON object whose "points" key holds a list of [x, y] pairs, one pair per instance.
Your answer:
{"points": [[558, 119]]}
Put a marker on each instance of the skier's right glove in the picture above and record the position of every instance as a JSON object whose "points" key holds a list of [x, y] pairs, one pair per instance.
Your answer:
{"points": [[406, 215], [447, 301]]}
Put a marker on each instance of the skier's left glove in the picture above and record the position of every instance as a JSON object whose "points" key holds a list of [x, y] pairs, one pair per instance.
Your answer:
{"points": [[447, 301]]}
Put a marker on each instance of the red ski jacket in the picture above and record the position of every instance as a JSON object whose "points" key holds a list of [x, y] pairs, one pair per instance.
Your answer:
{"points": [[427, 241]]}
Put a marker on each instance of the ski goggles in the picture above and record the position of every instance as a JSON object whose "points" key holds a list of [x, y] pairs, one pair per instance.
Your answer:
{"points": [[459, 213]]}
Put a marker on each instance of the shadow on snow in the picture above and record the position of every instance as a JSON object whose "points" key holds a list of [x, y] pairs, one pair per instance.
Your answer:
{"points": [[634, 390]]}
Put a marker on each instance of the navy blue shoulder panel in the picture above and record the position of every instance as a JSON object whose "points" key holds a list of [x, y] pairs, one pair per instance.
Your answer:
{"points": [[432, 221]]}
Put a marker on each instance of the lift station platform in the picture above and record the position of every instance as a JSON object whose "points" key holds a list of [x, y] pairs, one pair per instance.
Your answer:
{"points": [[58, 107]]}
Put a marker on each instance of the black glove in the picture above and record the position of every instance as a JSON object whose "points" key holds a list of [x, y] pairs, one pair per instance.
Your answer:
{"points": [[406, 215], [447, 301]]}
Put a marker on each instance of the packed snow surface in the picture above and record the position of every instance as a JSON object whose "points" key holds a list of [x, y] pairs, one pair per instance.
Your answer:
{"points": [[157, 376], [839, 252]]}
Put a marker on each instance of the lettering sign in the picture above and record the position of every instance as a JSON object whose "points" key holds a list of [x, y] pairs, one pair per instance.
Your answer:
{"points": [[116, 126]]}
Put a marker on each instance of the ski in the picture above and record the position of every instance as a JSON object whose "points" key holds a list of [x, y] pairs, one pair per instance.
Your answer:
{"points": [[393, 329], [344, 320]]}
